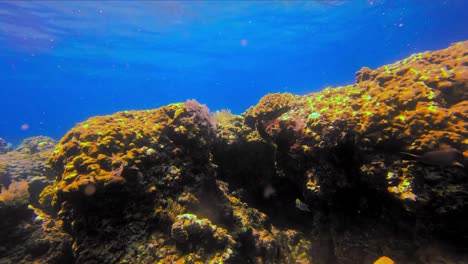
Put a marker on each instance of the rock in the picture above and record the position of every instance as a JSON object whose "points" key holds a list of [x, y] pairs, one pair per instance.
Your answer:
{"points": [[5, 146], [170, 185], [29, 162]]}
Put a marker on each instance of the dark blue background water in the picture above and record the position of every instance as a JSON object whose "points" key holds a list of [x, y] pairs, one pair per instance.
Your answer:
{"points": [[64, 61]]}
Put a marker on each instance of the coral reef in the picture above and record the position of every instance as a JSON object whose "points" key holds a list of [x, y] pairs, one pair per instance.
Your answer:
{"points": [[380, 164], [29, 162], [25, 239], [17, 194], [4, 146], [344, 149], [145, 168], [24, 172]]}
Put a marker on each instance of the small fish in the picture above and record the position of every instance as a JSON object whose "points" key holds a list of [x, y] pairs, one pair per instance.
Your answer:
{"points": [[268, 191], [302, 206], [134, 167], [443, 157]]}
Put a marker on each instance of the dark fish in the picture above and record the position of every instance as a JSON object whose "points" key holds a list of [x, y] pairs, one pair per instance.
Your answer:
{"points": [[269, 191], [443, 157]]}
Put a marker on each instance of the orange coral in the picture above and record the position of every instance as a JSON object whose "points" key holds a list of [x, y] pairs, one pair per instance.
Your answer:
{"points": [[415, 105], [101, 149], [17, 194], [419, 99], [384, 260], [271, 103], [419, 102]]}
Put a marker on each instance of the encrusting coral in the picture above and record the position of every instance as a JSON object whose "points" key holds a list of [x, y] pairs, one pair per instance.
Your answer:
{"points": [[347, 147], [23, 239], [176, 184], [102, 150], [28, 162], [17, 194], [4, 146], [414, 105]]}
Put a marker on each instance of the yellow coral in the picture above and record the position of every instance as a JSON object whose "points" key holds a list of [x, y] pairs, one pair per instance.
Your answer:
{"points": [[46, 196]]}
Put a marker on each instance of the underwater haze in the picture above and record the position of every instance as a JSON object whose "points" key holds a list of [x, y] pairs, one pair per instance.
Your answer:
{"points": [[65, 61]]}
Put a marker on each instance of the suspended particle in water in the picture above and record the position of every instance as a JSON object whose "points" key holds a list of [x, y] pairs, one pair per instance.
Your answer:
{"points": [[244, 42], [90, 189], [25, 126]]}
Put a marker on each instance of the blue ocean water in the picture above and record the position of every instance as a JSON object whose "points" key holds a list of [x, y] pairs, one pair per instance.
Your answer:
{"points": [[64, 61]]}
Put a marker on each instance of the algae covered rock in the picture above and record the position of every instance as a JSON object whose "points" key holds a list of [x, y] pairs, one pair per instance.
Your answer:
{"points": [[110, 150], [190, 187], [133, 166], [358, 150], [178, 184], [28, 235], [189, 229], [154, 194], [28, 162], [4, 146]]}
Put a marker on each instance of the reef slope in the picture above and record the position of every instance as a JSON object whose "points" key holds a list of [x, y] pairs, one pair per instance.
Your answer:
{"points": [[177, 184]]}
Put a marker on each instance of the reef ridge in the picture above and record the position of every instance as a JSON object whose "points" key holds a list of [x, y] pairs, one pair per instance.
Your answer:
{"points": [[179, 184]]}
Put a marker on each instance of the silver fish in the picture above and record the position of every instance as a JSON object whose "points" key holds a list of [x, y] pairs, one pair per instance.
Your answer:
{"points": [[302, 206]]}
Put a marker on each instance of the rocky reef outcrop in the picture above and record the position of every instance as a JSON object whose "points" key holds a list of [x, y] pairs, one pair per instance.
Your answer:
{"points": [[4, 146], [28, 162], [384, 159], [344, 175], [28, 234]]}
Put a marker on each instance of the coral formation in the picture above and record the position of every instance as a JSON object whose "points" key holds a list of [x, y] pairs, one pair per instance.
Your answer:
{"points": [[24, 173], [4, 146], [29, 162], [177, 184], [17, 194]]}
